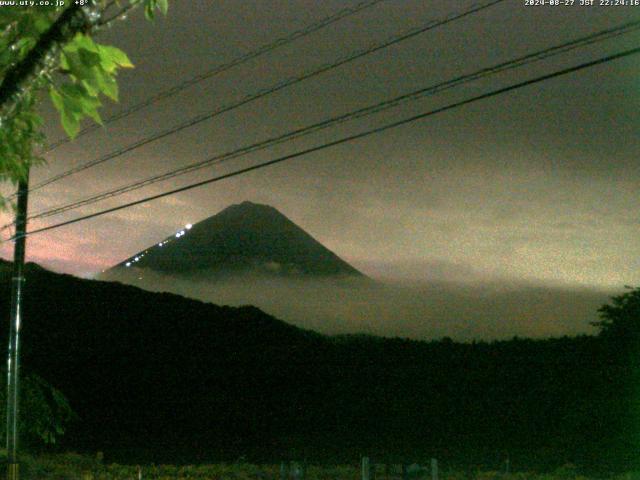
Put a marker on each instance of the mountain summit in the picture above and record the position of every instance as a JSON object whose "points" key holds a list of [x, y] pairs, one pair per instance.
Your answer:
{"points": [[242, 238]]}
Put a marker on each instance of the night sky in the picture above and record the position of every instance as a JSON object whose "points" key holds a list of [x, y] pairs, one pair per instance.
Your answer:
{"points": [[538, 186]]}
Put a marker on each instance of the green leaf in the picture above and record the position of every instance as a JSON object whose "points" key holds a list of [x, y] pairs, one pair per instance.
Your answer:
{"points": [[149, 9], [64, 64], [76, 66], [87, 68], [95, 115], [89, 58], [79, 102], [70, 123], [90, 107], [56, 98], [41, 23], [106, 61], [113, 55], [163, 5], [72, 96], [86, 42], [95, 82], [110, 88], [92, 89]]}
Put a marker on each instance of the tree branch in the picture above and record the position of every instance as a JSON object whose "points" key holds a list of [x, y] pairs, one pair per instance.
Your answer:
{"points": [[121, 14]]}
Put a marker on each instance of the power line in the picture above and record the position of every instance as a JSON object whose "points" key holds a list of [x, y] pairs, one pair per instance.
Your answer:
{"points": [[268, 91], [350, 138], [266, 48], [360, 113]]}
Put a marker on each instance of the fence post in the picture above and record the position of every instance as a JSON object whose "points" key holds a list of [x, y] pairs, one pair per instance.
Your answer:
{"points": [[434, 469], [366, 469], [283, 471]]}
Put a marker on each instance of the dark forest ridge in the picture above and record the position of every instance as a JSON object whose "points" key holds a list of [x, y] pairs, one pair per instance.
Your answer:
{"points": [[242, 238], [156, 377]]}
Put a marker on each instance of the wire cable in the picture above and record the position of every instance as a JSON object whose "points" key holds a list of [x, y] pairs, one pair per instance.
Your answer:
{"points": [[360, 113], [268, 91], [350, 138], [262, 50]]}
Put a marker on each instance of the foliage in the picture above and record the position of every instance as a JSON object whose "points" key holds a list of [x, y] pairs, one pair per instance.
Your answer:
{"points": [[46, 413], [21, 28], [621, 318], [78, 78], [73, 466], [152, 5], [18, 136], [92, 70]]}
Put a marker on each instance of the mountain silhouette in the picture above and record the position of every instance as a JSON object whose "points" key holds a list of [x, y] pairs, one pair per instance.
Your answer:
{"points": [[242, 238]]}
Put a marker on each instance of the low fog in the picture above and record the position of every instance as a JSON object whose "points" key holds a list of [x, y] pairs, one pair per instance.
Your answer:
{"points": [[427, 310]]}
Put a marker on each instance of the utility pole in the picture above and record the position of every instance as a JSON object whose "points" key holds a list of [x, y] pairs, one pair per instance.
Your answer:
{"points": [[17, 281]]}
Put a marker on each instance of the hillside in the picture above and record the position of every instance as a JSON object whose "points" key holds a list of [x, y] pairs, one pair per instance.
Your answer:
{"points": [[158, 377]]}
